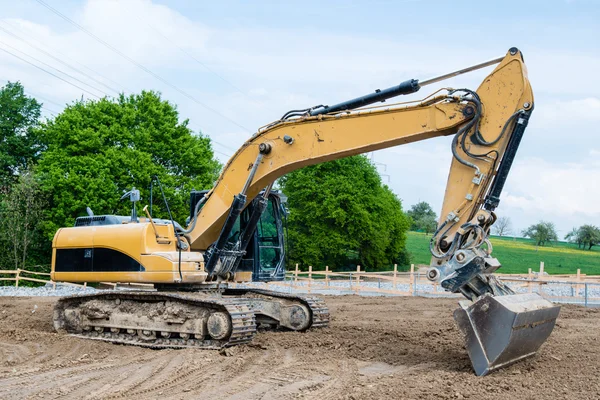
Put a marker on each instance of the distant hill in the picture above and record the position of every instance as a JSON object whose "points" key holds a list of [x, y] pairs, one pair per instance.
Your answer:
{"points": [[519, 254]]}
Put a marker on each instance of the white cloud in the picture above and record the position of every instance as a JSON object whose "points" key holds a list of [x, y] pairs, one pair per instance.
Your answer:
{"points": [[134, 27], [418, 171], [566, 193], [569, 111], [278, 69]]}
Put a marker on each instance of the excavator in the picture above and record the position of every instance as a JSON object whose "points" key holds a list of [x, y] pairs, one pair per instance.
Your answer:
{"points": [[234, 232]]}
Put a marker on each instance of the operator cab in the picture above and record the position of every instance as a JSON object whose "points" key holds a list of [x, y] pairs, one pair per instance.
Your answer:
{"points": [[265, 254]]}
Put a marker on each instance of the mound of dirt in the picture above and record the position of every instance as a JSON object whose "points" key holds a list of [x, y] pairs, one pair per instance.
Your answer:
{"points": [[375, 348]]}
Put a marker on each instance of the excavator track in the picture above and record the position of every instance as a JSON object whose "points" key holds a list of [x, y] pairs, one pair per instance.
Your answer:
{"points": [[157, 320], [318, 309]]}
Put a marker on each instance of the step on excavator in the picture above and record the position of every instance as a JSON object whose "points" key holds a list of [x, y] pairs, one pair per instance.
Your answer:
{"points": [[234, 232]]}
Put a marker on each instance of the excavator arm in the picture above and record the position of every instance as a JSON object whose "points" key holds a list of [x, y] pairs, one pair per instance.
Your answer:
{"points": [[287, 145], [483, 124], [291, 145]]}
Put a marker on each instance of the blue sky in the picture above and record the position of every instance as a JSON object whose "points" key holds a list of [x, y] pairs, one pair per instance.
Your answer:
{"points": [[252, 61]]}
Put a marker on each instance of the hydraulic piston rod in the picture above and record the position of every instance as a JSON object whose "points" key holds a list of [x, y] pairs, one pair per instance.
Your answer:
{"points": [[406, 87]]}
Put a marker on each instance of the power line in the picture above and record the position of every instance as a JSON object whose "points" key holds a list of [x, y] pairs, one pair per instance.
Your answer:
{"points": [[59, 60], [196, 127], [143, 68], [54, 113], [35, 96], [44, 100], [72, 59], [214, 141], [48, 72], [54, 68], [195, 59], [220, 152], [224, 146]]}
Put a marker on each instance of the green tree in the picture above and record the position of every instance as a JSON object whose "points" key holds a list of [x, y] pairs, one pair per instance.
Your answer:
{"points": [[585, 236], [574, 236], [542, 232], [97, 150], [21, 210], [341, 214], [18, 115], [423, 217]]}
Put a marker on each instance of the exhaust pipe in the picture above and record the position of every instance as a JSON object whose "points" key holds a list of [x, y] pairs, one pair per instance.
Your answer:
{"points": [[502, 330]]}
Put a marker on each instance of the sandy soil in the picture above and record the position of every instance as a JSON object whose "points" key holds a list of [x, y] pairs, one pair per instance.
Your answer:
{"points": [[376, 348]]}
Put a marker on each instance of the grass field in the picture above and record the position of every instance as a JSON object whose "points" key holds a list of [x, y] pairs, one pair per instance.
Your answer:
{"points": [[517, 255]]}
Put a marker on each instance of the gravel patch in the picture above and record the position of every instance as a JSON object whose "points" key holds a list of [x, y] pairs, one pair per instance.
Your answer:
{"points": [[47, 290], [554, 291]]}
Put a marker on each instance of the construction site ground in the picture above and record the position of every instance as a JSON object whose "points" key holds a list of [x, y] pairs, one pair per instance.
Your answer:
{"points": [[375, 348]]}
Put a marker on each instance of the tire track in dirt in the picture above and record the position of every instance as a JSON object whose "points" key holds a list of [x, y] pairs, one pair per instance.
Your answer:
{"points": [[375, 348], [165, 386], [65, 378], [128, 380]]}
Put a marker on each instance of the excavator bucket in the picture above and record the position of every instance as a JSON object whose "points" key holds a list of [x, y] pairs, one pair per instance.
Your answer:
{"points": [[502, 330]]}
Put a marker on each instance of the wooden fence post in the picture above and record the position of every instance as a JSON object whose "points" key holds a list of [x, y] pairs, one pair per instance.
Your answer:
{"points": [[358, 278], [411, 286], [17, 277], [529, 279], [394, 282], [309, 277], [541, 276], [295, 277], [578, 287], [350, 280], [327, 275]]}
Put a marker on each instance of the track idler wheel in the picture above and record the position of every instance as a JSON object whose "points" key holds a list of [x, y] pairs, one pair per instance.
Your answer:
{"points": [[502, 330], [218, 325], [296, 317]]}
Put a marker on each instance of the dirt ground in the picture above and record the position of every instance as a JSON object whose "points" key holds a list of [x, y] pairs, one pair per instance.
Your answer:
{"points": [[375, 348]]}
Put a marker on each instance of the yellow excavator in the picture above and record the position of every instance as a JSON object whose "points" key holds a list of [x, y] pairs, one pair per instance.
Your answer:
{"points": [[234, 233]]}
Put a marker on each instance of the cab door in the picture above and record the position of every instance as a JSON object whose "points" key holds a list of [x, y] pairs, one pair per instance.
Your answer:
{"points": [[269, 257]]}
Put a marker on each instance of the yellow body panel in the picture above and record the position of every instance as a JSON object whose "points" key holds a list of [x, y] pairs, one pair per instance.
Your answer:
{"points": [[137, 241]]}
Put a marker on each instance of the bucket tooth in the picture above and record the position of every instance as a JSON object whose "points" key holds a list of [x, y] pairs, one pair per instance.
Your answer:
{"points": [[502, 330]]}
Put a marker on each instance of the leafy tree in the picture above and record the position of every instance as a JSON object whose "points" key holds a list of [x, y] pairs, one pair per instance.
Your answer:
{"points": [[575, 237], [542, 232], [20, 214], [502, 226], [590, 235], [423, 217], [585, 236], [341, 214], [97, 150], [18, 115], [426, 223]]}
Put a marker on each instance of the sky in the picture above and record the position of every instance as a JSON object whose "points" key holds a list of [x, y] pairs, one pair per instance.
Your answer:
{"points": [[234, 66]]}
